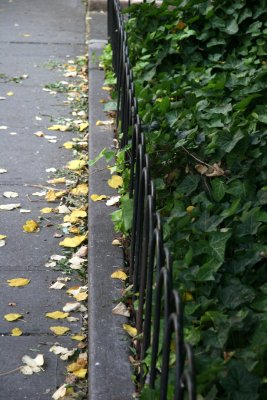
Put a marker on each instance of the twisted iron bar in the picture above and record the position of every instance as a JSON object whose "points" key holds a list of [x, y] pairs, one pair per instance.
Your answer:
{"points": [[160, 307]]}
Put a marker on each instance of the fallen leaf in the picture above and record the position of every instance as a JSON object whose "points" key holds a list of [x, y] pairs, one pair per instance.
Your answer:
{"points": [[76, 164], [51, 169], [46, 210], [24, 211], [38, 118], [83, 126], [12, 133], [75, 260], [73, 242], [57, 180], [16, 332], [39, 134], [10, 93], [60, 393], [63, 209], [121, 309], [68, 145], [10, 194], [116, 242], [80, 190], [61, 128], [30, 226], [98, 197], [82, 252], [119, 274], [26, 35], [80, 373], [3, 127], [2, 237], [9, 207], [81, 296], [51, 195], [113, 200], [2, 243], [16, 282], [3, 171], [57, 315], [57, 257], [74, 229], [12, 317], [79, 338], [106, 88], [215, 170], [130, 330], [57, 285], [59, 330], [32, 364], [103, 123], [72, 319], [71, 307], [39, 194], [115, 181]]}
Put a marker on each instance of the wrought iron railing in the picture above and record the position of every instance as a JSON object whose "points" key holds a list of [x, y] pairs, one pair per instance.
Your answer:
{"points": [[160, 307]]}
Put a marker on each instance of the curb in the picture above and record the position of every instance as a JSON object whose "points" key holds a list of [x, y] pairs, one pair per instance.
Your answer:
{"points": [[109, 366], [101, 5]]}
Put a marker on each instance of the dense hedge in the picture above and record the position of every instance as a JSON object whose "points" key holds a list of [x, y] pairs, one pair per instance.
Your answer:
{"points": [[201, 74]]}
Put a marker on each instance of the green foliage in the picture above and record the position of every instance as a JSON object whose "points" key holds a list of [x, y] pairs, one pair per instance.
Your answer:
{"points": [[201, 75]]}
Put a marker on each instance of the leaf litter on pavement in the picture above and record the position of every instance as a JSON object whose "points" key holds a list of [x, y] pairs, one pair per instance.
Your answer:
{"points": [[73, 203]]}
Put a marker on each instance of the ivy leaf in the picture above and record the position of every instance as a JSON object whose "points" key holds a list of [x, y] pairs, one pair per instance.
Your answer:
{"points": [[189, 184], [218, 189], [217, 242]]}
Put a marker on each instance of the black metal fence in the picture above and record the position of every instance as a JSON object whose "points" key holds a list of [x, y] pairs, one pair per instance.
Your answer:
{"points": [[159, 318]]}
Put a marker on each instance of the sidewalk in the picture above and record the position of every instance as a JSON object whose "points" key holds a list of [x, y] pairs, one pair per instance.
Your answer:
{"points": [[33, 34]]}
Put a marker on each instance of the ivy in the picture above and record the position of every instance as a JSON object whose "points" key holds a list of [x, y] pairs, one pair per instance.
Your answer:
{"points": [[200, 71]]}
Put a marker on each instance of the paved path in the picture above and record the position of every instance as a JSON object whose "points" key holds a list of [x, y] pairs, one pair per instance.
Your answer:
{"points": [[33, 33]]}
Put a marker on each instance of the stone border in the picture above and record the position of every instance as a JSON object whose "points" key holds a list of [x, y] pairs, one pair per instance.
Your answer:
{"points": [[109, 366]]}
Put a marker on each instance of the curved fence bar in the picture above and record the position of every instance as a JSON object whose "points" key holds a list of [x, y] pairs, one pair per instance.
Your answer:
{"points": [[159, 317]]}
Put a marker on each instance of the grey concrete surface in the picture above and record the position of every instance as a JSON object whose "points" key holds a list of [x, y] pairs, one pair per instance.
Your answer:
{"points": [[110, 371], [16, 386], [34, 35]]}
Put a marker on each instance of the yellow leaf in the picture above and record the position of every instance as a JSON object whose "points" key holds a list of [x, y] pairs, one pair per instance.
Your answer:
{"points": [[57, 315], [80, 373], [26, 35], [187, 296], [18, 282], [76, 165], [10, 94], [80, 190], [98, 197], [60, 193], [16, 332], [83, 126], [68, 145], [130, 330], [79, 213], [12, 317], [107, 88], [51, 195], [30, 226], [74, 229], [73, 242], [189, 209], [119, 274], [57, 180], [46, 210], [61, 128], [79, 338], [115, 181], [59, 330], [81, 296], [2, 237]]}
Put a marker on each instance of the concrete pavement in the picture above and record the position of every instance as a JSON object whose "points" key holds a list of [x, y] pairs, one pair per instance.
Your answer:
{"points": [[33, 35]]}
